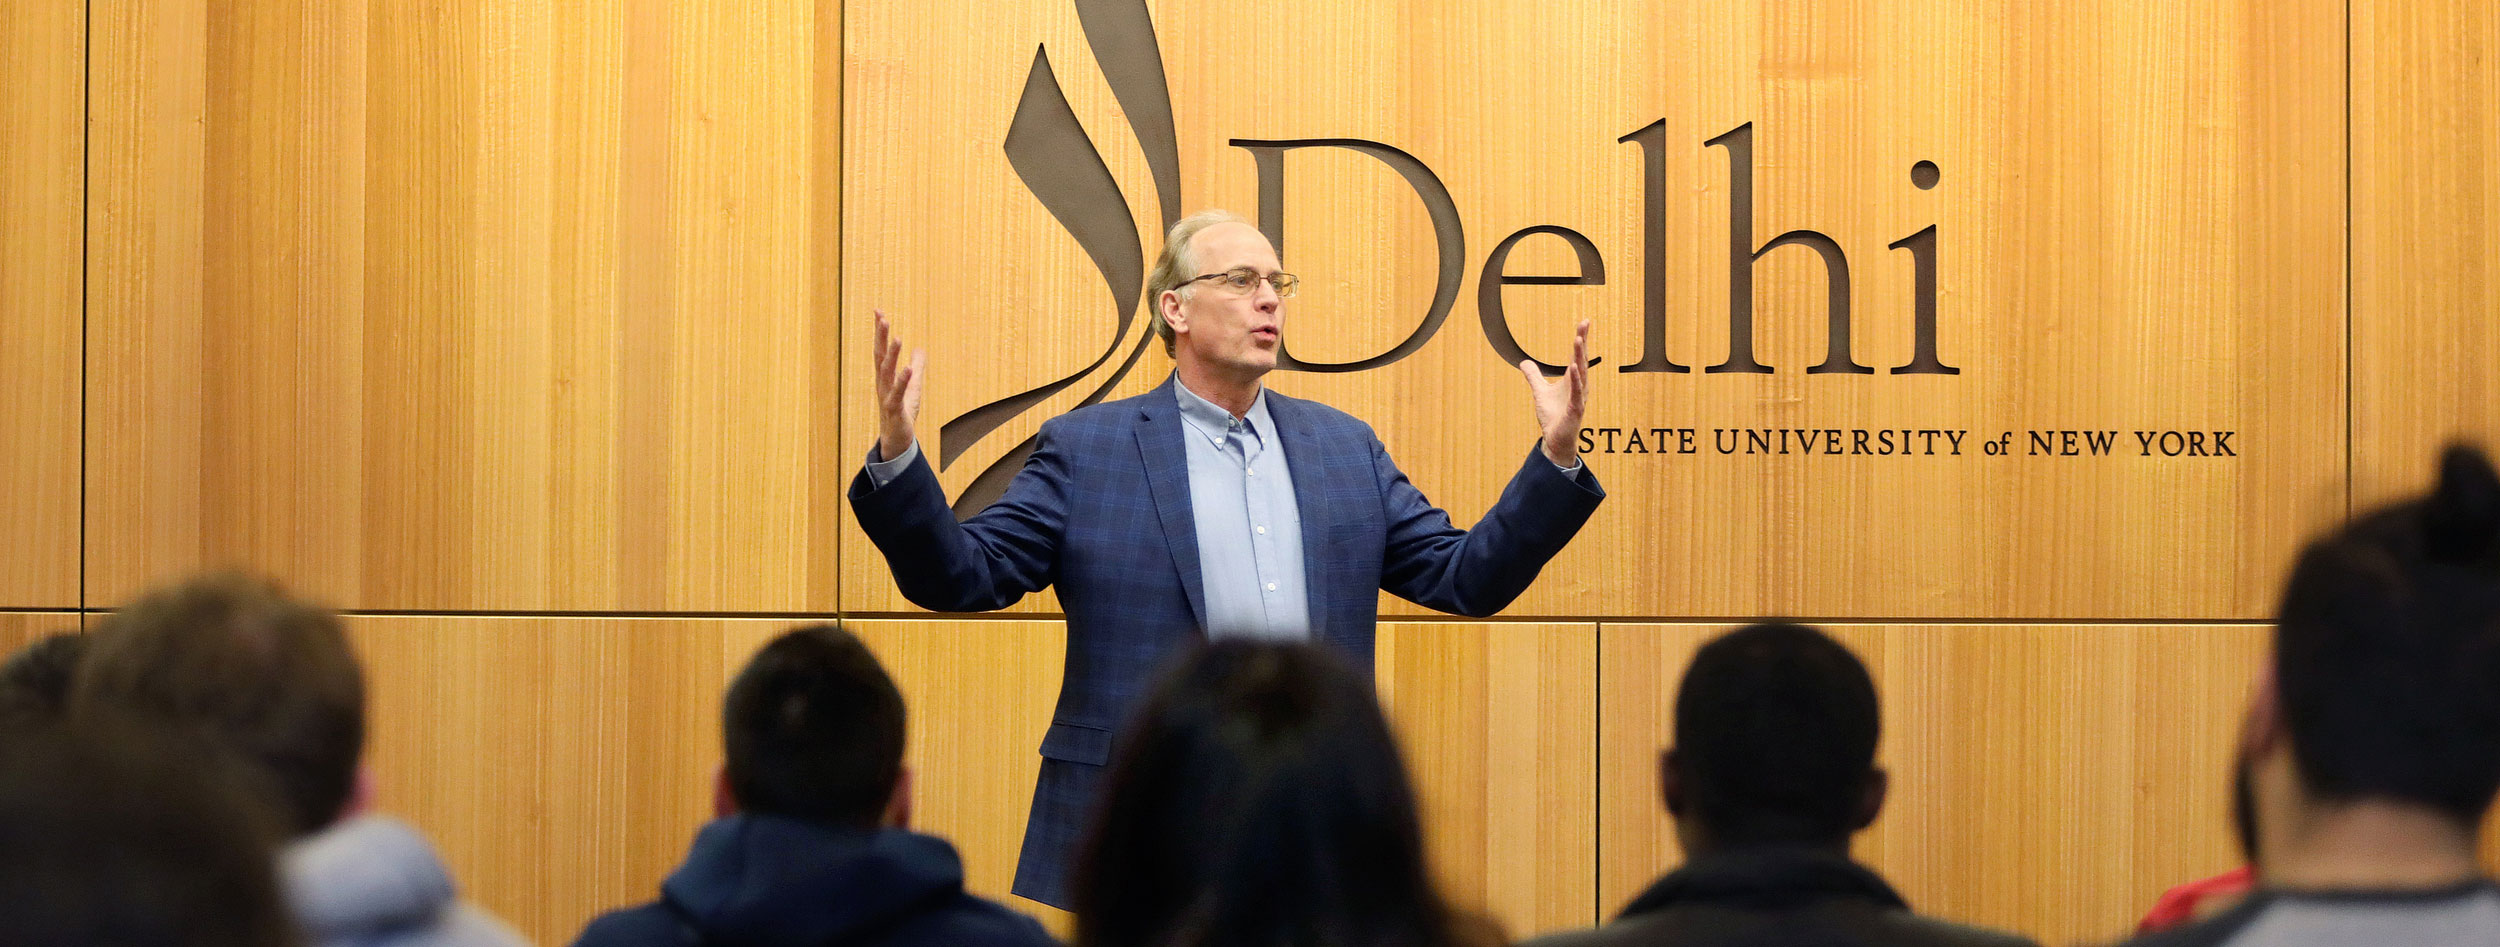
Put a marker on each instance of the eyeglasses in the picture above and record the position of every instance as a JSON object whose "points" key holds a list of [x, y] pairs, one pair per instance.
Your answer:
{"points": [[1239, 279]]}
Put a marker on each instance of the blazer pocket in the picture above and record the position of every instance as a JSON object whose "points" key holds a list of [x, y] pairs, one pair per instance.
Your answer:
{"points": [[1077, 743]]}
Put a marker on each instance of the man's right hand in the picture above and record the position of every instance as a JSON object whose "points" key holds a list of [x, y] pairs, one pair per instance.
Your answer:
{"points": [[898, 392]]}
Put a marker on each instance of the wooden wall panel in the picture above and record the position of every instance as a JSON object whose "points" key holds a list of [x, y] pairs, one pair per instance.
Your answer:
{"points": [[2129, 233], [2051, 780], [561, 766], [1499, 725], [980, 695], [2425, 238], [479, 305], [43, 66]]}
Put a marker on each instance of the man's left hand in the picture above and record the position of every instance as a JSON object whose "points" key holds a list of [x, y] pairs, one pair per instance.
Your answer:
{"points": [[1561, 401]]}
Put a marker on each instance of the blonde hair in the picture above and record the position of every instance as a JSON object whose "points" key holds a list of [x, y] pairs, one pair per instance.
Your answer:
{"points": [[1173, 265]]}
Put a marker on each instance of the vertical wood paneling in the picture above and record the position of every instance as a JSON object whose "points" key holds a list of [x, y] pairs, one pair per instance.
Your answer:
{"points": [[979, 694], [2130, 238], [2425, 199], [2051, 780], [43, 63], [1499, 726], [561, 766], [480, 305]]}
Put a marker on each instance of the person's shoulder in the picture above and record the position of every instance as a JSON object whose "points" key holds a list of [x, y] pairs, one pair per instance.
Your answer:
{"points": [[644, 925], [1100, 418], [1320, 416], [1585, 937], [462, 924], [970, 920], [1938, 932]]}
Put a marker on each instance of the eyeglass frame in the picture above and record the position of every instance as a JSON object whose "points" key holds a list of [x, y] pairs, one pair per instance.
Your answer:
{"points": [[1292, 284]]}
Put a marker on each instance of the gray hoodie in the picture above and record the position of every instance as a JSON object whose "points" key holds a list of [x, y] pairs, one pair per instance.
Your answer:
{"points": [[372, 881]]}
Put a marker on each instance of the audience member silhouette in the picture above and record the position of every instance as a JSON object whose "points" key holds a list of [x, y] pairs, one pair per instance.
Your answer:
{"points": [[2371, 750], [119, 835], [236, 664], [812, 844], [1257, 800], [1773, 769], [34, 682]]}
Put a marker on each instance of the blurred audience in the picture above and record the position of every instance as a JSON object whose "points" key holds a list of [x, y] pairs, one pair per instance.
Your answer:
{"points": [[1258, 800], [236, 664], [2371, 750], [118, 835], [813, 845], [34, 682], [1773, 769]]}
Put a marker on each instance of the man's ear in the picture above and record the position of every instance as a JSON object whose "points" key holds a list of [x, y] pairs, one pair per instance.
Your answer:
{"points": [[724, 799], [2263, 732], [1168, 302], [898, 805], [1871, 799], [1671, 781]]}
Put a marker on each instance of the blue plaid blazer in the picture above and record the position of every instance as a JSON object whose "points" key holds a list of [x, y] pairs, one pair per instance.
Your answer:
{"points": [[1101, 510]]}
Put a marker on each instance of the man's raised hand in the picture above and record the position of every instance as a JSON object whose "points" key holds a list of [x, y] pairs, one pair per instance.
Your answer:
{"points": [[898, 391], [1561, 401]]}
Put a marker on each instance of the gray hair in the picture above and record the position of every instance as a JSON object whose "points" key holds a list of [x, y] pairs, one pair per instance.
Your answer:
{"points": [[1174, 265]]}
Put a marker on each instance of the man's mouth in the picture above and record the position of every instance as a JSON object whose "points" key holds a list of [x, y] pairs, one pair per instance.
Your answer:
{"points": [[1264, 333]]}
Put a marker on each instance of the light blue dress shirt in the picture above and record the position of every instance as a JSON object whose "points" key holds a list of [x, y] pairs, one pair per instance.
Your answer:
{"points": [[1249, 523]]}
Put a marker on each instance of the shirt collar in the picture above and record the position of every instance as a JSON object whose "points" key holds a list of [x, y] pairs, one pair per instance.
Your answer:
{"points": [[1212, 420]]}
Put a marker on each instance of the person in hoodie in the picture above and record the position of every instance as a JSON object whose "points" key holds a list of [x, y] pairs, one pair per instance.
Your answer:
{"points": [[234, 663], [812, 845], [1772, 771]]}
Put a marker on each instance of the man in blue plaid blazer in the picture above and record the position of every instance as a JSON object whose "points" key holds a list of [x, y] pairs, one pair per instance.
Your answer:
{"points": [[1148, 515]]}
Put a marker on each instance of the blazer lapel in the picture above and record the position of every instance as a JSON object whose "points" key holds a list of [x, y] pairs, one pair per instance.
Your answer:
{"points": [[1167, 476], [1304, 452]]}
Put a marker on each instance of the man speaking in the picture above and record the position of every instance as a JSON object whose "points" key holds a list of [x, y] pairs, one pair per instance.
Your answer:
{"points": [[1208, 506]]}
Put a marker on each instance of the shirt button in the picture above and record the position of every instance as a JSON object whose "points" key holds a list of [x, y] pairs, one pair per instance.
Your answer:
{"points": [[1261, 530], [1253, 471], [1271, 586]]}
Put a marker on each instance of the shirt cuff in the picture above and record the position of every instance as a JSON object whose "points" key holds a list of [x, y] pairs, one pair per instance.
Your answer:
{"points": [[882, 472], [1573, 471]]}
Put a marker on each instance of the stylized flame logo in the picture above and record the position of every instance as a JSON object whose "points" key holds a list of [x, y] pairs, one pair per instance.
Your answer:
{"points": [[1060, 165]]}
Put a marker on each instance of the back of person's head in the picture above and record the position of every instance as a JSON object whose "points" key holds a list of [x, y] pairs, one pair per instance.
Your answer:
{"points": [[2387, 650], [814, 730], [1775, 731], [1257, 798], [236, 662], [112, 833], [34, 682]]}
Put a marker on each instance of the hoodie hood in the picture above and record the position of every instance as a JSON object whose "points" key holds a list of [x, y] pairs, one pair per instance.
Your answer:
{"points": [[364, 875], [769, 881]]}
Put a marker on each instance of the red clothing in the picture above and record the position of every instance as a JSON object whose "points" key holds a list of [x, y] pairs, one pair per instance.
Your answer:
{"points": [[2178, 905]]}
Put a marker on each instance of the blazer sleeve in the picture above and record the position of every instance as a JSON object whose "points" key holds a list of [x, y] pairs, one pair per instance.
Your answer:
{"points": [[1477, 572], [987, 562]]}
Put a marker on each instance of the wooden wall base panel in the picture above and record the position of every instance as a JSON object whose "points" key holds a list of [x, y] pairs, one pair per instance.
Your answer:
{"points": [[561, 766], [2051, 780], [1498, 723], [980, 695]]}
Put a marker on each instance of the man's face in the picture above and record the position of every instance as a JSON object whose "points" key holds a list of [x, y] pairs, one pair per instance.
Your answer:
{"points": [[1221, 329]]}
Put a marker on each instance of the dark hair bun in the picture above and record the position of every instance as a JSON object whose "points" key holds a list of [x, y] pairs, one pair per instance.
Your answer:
{"points": [[2462, 519]]}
